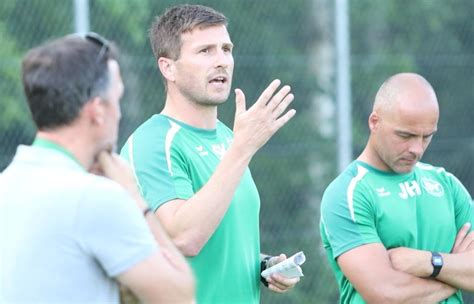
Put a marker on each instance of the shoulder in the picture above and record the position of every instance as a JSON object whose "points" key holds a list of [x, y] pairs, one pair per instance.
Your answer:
{"points": [[151, 139], [90, 192], [429, 172], [152, 130], [432, 177], [104, 189], [348, 181], [105, 201]]}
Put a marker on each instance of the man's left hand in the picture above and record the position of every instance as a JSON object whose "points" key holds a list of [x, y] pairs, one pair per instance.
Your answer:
{"points": [[278, 282]]}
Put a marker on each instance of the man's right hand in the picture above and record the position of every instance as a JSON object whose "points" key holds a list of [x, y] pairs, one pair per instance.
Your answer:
{"points": [[464, 240], [112, 166], [255, 126]]}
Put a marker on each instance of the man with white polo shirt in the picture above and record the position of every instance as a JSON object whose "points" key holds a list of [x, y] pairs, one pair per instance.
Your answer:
{"points": [[67, 235]]}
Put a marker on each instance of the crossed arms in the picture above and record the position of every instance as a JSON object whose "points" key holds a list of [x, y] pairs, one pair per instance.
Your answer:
{"points": [[400, 275], [458, 268]]}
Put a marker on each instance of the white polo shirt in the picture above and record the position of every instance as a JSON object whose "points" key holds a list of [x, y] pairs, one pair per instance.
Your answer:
{"points": [[65, 233]]}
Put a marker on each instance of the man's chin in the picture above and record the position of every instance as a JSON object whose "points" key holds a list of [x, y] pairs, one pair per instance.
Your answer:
{"points": [[214, 101], [403, 169]]}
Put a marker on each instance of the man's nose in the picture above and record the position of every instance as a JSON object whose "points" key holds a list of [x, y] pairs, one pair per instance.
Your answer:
{"points": [[223, 59], [417, 146]]}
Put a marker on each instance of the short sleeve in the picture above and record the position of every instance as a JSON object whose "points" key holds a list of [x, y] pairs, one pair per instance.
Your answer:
{"points": [[112, 229], [159, 167], [463, 205], [347, 216]]}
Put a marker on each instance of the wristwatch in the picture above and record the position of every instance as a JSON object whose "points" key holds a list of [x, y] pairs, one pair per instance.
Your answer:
{"points": [[263, 266], [437, 262]]}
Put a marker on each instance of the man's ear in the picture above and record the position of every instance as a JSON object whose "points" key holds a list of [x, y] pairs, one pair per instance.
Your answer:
{"points": [[167, 68], [374, 120], [94, 111]]}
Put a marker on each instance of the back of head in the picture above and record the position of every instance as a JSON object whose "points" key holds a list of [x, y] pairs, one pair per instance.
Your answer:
{"points": [[60, 76], [165, 32]]}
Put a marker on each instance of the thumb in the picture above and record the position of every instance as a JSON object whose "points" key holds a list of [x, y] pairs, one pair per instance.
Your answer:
{"points": [[277, 259], [239, 102], [282, 257]]}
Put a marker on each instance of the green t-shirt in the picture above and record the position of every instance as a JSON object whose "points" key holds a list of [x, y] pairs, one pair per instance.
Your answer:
{"points": [[423, 209], [172, 160]]}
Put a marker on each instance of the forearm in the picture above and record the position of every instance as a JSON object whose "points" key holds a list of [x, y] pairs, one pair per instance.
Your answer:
{"points": [[197, 219], [369, 269], [404, 288], [458, 270], [167, 248]]}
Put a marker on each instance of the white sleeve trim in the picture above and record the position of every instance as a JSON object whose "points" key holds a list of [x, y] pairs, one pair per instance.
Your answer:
{"points": [[361, 171], [169, 139], [132, 161]]}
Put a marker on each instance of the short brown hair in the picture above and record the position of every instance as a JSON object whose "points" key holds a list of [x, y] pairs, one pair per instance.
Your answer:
{"points": [[165, 32], [62, 75]]}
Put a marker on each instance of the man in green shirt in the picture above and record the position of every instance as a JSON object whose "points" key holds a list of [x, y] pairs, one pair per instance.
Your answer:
{"points": [[193, 170], [389, 223]]}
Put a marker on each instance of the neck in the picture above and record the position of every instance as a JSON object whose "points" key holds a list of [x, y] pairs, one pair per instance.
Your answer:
{"points": [[181, 108], [69, 139], [370, 156]]}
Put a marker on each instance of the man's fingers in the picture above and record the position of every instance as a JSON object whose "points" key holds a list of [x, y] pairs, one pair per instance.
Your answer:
{"points": [[283, 105], [268, 93], [276, 259], [281, 283], [280, 122], [112, 165], [461, 236], [466, 242], [275, 288], [278, 97], [104, 159], [470, 246], [239, 102]]}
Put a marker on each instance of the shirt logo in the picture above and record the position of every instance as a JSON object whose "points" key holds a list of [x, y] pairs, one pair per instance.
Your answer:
{"points": [[432, 187], [409, 189], [382, 192], [201, 151], [219, 150]]}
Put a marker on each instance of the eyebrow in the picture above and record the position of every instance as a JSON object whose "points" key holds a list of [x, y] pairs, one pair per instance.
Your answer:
{"points": [[228, 44], [401, 132]]}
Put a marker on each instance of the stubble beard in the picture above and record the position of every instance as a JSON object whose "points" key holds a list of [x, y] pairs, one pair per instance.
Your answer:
{"points": [[210, 99]]}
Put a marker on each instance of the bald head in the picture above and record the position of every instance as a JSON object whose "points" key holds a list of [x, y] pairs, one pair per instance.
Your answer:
{"points": [[404, 89], [402, 123]]}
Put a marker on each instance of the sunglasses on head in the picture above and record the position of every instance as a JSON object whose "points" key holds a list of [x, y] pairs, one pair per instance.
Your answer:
{"points": [[98, 40]]}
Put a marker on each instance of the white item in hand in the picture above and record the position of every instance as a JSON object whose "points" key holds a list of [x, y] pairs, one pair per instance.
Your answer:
{"points": [[289, 268]]}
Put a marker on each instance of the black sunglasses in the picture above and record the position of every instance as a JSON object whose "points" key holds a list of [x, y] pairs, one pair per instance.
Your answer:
{"points": [[103, 43], [98, 40]]}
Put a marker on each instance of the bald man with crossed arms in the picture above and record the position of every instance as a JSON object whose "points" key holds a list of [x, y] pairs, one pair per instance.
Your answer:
{"points": [[397, 230]]}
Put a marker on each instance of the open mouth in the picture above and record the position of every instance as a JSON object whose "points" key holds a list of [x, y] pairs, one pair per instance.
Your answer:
{"points": [[218, 80]]}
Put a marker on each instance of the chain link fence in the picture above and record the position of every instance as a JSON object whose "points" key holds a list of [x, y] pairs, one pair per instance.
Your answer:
{"points": [[292, 41]]}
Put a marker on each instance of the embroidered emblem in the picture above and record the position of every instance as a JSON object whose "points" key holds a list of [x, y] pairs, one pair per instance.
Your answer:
{"points": [[432, 187]]}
